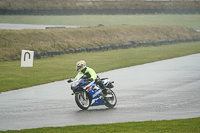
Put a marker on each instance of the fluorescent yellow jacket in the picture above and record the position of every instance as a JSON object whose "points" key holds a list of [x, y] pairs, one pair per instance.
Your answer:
{"points": [[91, 72]]}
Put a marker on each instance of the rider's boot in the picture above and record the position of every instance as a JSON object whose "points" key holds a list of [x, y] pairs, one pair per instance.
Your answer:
{"points": [[105, 92], [101, 85]]}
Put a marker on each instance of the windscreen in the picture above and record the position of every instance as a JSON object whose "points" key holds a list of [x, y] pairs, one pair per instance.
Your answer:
{"points": [[78, 76]]}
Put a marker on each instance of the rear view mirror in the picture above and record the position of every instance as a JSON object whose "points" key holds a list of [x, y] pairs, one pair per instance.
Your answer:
{"points": [[70, 80]]}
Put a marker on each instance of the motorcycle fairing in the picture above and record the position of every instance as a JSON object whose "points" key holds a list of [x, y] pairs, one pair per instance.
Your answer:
{"points": [[96, 94], [90, 87]]}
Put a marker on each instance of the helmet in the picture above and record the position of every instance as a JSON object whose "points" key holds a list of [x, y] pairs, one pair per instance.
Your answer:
{"points": [[80, 65]]}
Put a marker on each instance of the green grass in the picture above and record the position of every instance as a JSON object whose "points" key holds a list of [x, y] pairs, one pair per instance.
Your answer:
{"points": [[12, 42], [166, 126], [45, 70], [191, 21]]}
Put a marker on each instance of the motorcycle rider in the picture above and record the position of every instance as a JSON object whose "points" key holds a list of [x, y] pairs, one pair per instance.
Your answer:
{"points": [[82, 69]]}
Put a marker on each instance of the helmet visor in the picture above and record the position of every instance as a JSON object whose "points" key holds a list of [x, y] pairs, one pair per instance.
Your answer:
{"points": [[78, 68]]}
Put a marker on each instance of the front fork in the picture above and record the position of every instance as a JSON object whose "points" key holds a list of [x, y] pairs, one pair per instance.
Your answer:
{"points": [[83, 94]]}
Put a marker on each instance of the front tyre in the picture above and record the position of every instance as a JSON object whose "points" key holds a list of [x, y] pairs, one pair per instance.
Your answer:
{"points": [[81, 101], [111, 101]]}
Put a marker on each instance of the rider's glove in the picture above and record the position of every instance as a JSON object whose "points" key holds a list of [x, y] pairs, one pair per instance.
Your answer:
{"points": [[89, 79], [84, 77]]}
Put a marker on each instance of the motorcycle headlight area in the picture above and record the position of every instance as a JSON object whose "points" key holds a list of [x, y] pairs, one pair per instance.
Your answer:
{"points": [[75, 83]]}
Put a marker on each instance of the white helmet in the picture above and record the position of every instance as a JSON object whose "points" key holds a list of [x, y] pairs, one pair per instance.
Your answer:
{"points": [[80, 65]]}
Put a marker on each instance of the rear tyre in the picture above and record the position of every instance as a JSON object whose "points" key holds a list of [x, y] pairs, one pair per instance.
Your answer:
{"points": [[82, 102], [111, 101]]}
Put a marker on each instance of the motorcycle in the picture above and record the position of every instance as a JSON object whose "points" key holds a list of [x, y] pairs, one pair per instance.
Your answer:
{"points": [[88, 93]]}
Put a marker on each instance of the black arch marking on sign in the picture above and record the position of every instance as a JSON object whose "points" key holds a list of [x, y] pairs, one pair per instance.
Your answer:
{"points": [[25, 55]]}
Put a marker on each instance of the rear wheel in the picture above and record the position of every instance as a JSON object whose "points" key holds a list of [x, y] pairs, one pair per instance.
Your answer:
{"points": [[111, 101], [82, 101]]}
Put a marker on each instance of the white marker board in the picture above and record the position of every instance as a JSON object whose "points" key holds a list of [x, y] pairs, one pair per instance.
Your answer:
{"points": [[27, 58]]}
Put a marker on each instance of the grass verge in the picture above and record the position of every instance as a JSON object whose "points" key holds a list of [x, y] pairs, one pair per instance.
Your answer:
{"points": [[71, 4], [166, 126], [12, 42], [45, 70]]}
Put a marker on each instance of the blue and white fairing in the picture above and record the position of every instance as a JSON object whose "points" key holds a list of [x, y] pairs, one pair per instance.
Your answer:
{"points": [[96, 94], [90, 87]]}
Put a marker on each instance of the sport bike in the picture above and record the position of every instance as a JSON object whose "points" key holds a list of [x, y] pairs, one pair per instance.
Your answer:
{"points": [[88, 93]]}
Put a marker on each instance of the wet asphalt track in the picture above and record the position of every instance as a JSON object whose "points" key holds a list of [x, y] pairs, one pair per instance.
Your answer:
{"points": [[163, 90]]}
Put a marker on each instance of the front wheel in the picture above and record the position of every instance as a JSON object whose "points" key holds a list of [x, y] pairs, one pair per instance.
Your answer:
{"points": [[82, 101], [111, 101]]}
